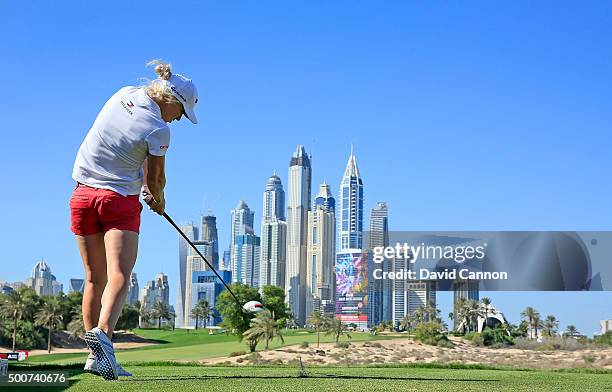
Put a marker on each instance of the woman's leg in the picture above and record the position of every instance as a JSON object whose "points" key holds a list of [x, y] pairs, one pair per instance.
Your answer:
{"points": [[93, 254], [121, 250]]}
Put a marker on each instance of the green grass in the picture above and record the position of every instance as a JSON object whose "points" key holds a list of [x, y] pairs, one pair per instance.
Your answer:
{"points": [[180, 345], [284, 378]]}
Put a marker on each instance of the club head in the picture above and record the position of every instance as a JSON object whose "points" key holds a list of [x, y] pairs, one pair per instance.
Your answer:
{"points": [[253, 307]]}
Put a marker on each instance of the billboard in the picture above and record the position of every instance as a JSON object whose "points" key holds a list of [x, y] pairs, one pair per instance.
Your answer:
{"points": [[352, 288]]}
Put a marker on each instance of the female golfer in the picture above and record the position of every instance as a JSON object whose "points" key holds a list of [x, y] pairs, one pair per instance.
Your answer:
{"points": [[122, 155]]}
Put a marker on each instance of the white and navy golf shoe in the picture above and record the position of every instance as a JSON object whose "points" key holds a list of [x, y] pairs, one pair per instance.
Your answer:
{"points": [[91, 366], [102, 347]]}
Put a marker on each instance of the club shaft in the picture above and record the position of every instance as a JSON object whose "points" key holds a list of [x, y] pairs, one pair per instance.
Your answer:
{"points": [[202, 256]]}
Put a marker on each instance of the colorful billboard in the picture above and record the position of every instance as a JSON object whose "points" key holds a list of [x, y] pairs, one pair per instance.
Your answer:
{"points": [[352, 288]]}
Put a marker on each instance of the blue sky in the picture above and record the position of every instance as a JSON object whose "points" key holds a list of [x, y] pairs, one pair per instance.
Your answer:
{"points": [[474, 116]]}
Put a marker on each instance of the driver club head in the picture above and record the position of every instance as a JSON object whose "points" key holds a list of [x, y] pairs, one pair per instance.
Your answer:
{"points": [[253, 307]]}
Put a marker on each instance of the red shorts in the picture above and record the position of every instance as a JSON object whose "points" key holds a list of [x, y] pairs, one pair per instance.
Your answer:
{"points": [[95, 210]]}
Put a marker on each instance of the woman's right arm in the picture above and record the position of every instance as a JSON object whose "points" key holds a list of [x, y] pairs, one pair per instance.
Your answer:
{"points": [[155, 180]]}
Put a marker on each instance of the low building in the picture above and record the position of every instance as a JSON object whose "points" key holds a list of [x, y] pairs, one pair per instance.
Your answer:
{"points": [[77, 284], [606, 326]]}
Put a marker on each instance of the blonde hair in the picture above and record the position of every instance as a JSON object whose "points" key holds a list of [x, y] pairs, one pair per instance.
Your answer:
{"points": [[157, 88]]}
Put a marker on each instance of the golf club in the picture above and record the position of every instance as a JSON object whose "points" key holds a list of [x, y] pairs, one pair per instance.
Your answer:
{"points": [[251, 306]]}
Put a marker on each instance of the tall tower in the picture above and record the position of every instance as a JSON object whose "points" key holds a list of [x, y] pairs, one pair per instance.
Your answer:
{"points": [[133, 290], [163, 289], [208, 234], [241, 224], [320, 277], [350, 228], [380, 291], [273, 235], [245, 259], [409, 295], [191, 231], [274, 199], [300, 174], [43, 281]]}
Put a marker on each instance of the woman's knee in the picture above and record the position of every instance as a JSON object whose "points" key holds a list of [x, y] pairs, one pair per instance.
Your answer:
{"points": [[118, 279], [96, 281]]}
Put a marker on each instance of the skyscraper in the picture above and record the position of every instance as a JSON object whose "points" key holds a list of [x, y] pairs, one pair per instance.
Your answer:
{"points": [[209, 235], [43, 281], [132, 294], [205, 286], [242, 219], [352, 261], [227, 260], [409, 295], [154, 291], [320, 277], [195, 265], [380, 290], [274, 199], [350, 228], [163, 289], [191, 231], [298, 205], [272, 263], [245, 259]]}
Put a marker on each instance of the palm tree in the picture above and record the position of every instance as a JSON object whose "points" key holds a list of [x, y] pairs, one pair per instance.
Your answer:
{"points": [[13, 307], [486, 302], [389, 325], [76, 328], [407, 322], [50, 316], [473, 312], [432, 313], [537, 323], [461, 315], [145, 316], [571, 330], [530, 315], [337, 328], [550, 325], [263, 326], [419, 315], [317, 321], [160, 311], [202, 310]]}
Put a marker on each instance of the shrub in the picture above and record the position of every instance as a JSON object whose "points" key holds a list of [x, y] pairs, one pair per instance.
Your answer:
{"points": [[477, 340], [431, 333], [237, 353], [343, 344], [491, 336], [589, 359], [470, 335], [304, 345], [604, 340], [445, 343]]}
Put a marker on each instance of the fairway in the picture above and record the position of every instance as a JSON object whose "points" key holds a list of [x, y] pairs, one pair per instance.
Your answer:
{"points": [[181, 345], [212, 378]]}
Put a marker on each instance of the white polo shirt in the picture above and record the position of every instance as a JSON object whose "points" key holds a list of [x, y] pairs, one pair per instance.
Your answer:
{"points": [[127, 128]]}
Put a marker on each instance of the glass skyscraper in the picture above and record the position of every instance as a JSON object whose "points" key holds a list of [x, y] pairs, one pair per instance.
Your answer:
{"points": [[350, 220], [272, 263], [300, 180]]}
